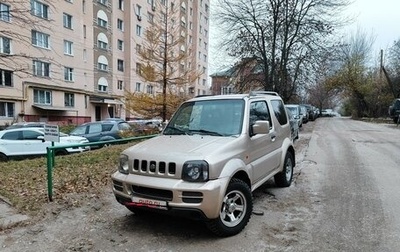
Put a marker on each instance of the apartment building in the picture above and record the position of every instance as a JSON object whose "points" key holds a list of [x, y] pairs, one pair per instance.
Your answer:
{"points": [[70, 61]]}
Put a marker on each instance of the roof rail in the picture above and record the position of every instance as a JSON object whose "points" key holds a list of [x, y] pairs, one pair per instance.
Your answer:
{"points": [[254, 93]]}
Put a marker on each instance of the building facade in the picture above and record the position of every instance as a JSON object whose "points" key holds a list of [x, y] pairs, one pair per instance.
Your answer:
{"points": [[70, 61]]}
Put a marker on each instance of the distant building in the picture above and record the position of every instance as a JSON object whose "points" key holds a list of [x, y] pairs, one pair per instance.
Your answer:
{"points": [[243, 77], [71, 61]]}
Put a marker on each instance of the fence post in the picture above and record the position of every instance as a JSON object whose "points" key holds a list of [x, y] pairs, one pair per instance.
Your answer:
{"points": [[50, 164]]}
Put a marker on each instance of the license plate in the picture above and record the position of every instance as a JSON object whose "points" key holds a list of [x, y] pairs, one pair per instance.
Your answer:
{"points": [[149, 203]]}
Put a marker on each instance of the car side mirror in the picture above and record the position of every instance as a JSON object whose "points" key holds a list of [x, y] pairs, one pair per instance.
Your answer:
{"points": [[260, 127], [41, 138]]}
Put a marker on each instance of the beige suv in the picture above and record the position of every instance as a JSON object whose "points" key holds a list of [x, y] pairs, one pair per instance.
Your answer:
{"points": [[214, 152]]}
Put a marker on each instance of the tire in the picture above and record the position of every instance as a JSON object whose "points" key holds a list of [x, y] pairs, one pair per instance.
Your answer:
{"points": [[235, 210], [284, 178], [3, 157], [61, 152]]}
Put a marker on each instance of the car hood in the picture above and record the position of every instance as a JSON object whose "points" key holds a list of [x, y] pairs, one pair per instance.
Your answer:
{"points": [[73, 139], [167, 147]]}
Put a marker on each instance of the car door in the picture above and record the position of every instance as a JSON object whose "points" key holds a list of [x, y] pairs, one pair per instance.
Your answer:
{"points": [[33, 142], [263, 147]]}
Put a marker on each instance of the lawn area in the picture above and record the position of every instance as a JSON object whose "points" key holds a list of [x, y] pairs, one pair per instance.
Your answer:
{"points": [[24, 183]]}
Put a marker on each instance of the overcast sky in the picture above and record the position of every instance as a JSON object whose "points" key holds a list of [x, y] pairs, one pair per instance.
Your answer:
{"points": [[378, 18]]}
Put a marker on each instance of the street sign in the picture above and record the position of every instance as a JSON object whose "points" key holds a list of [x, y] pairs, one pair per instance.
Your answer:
{"points": [[51, 133]]}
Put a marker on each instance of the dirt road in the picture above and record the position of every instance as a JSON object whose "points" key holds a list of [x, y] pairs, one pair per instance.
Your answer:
{"points": [[341, 200]]}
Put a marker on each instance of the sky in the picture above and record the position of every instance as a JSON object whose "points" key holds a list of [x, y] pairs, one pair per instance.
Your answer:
{"points": [[377, 18], [380, 18]]}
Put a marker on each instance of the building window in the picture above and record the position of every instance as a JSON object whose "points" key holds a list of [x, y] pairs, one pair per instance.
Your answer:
{"points": [[67, 21], [102, 63], [69, 100], [120, 45], [41, 68], [138, 48], [5, 45], [120, 24], [102, 41], [68, 48], [120, 84], [6, 78], [103, 2], [102, 22], [4, 12], [7, 109], [42, 97], [39, 9], [139, 69], [120, 65], [137, 87], [40, 39], [121, 4], [149, 89], [102, 84], [150, 17], [68, 74], [138, 30], [84, 31]]}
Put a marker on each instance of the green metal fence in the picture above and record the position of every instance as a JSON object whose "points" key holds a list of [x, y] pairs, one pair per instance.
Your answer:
{"points": [[52, 150]]}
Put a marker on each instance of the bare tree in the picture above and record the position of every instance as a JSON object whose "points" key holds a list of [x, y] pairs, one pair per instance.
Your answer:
{"points": [[164, 57], [283, 36], [353, 77], [393, 70]]}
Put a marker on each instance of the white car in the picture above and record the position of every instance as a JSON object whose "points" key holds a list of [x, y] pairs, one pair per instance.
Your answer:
{"points": [[15, 143]]}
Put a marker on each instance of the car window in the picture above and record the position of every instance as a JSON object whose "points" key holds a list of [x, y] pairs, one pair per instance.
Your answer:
{"points": [[106, 127], [259, 111], [95, 128], [31, 135], [80, 130], [14, 135], [279, 110]]}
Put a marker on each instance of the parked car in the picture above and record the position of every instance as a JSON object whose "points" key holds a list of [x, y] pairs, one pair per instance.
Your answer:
{"points": [[296, 113], [146, 125], [294, 125], [102, 130], [21, 142], [213, 153], [394, 110], [311, 112], [26, 124], [303, 111]]}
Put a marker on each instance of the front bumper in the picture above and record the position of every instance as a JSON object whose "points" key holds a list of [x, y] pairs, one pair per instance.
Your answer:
{"points": [[194, 200]]}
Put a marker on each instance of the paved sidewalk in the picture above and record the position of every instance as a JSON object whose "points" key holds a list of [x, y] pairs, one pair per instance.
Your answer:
{"points": [[8, 215]]}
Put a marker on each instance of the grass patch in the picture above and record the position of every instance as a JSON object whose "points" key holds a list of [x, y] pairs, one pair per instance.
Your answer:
{"points": [[24, 182]]}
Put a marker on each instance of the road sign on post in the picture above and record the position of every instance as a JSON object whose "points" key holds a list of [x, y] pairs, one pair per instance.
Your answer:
{"points": [[51, 133]]}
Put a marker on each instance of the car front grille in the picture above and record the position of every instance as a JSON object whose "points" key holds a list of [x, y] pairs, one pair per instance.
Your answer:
{"points": [[152, 193], [153, 167]]}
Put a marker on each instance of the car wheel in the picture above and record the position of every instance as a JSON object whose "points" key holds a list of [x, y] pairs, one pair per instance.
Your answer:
{"points": [[61, 152], [284, 178], [3, 157], [235, 211]]}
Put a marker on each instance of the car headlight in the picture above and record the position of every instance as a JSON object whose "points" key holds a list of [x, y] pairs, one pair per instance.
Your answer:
{"points": [[195, 171], [123, 164]]}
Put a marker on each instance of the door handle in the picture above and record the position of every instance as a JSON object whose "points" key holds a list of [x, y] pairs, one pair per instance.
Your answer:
{"points": [[273, 137]]}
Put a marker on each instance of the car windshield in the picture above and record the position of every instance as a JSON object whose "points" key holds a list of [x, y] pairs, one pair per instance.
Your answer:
{"points": [[211, 117], [293, 110], [80, 130]]}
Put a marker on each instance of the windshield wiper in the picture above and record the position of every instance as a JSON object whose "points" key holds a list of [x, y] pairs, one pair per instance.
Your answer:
{"points": [[207, 132], [180, 131]]}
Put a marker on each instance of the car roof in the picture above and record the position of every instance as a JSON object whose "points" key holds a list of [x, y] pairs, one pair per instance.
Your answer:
{"points": [[236, 96]]}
